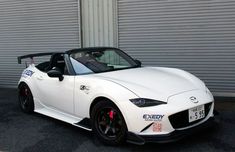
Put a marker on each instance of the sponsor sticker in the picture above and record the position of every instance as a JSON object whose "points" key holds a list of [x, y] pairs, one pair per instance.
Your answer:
{"points": [[152, 117], [157, 127], [84, 88], [27, 73]]}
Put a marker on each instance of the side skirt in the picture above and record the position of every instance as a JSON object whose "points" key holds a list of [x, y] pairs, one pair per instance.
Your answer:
{"points": [[84, 123], [75, 121]]}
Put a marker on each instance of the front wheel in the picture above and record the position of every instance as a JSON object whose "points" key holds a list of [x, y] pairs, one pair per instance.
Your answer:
{"points": [[108, 123], [25, 98]]}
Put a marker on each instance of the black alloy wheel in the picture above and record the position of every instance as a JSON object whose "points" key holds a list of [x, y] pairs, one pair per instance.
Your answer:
{"points": [[108, 123], [25, 99]]}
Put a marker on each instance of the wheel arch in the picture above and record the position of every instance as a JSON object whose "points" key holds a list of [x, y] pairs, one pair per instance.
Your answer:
{"points": [[21, 82], [31, 105], [99, 98], [96, 100], [26, 83]]}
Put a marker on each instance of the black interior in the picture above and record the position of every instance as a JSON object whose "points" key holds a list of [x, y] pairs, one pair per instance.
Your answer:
{"points": [[56, 61], [43, 66]]}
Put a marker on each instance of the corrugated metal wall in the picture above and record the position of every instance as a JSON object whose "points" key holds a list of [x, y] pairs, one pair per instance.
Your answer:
{"points": [[197, 36], [35, 26], [99, 23]]}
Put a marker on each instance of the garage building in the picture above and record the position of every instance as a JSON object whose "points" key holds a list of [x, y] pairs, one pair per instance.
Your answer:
{"points": [[197, 36]]}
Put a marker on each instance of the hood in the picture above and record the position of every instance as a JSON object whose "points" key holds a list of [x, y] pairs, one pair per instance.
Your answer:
{"points": [[154, 82]]}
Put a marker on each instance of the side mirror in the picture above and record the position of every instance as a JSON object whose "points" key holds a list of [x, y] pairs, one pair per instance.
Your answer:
{"points": [[55, 73], [138, 62]]}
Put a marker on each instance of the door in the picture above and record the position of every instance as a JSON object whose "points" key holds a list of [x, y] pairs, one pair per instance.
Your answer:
{"points": [[56, 94]]}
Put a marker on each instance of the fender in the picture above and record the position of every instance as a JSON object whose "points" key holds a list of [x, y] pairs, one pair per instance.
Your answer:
{"points": [[28, 80]]}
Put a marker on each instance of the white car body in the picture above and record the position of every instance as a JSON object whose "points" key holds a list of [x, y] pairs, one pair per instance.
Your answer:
{"points": [[70, 100]]}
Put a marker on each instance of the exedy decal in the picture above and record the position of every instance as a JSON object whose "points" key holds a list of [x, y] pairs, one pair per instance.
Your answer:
{"points": [[148, 117]]}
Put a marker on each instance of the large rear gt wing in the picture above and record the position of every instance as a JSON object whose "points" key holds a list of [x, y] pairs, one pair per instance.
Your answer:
{"points": [[31, 56]]}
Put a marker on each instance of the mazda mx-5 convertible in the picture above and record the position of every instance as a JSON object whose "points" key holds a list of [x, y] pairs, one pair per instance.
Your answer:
{"points": [[105, 90]]}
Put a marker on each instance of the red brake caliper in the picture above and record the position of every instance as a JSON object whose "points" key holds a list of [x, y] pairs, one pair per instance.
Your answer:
{"points": [[111, 114]]}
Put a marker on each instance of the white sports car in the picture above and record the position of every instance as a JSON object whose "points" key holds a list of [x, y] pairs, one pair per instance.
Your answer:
{"points": [[105, 90]]}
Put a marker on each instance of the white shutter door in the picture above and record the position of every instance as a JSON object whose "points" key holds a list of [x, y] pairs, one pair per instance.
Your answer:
{"points": [[197, 36], [35, 26]]}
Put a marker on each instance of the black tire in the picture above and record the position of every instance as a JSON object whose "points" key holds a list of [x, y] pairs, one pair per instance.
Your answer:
{"points": [[110, 128], [25, 98]]}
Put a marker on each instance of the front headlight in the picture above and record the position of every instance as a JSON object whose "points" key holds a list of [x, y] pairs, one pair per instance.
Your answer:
{"points": [[142, 102], [208, 92]]}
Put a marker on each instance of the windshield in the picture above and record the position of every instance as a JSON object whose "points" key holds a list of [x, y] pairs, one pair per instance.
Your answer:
{"points": [[100, 60]]}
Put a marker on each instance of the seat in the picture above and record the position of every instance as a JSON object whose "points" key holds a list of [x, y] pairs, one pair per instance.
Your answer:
{"points": [[57, 60]]}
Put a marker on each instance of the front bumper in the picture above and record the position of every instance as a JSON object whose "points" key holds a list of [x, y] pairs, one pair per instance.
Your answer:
{"points": [[164, 114], [173, 136]]}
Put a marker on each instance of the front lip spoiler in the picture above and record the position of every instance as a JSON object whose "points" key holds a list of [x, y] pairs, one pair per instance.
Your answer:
{"points": [[171, 137]]}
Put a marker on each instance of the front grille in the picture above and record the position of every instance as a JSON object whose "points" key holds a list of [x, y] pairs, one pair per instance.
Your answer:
{"points": [[181, 120]]}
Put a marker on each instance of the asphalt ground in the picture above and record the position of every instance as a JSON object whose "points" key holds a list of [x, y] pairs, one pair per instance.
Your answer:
{"points": [[20, 132]]}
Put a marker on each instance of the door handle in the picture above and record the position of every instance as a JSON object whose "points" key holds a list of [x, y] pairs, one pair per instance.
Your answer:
{"points": [[40, 77]]}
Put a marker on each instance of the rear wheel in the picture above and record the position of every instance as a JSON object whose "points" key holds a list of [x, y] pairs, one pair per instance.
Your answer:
{"points": [[108, 123], [25, 98]]}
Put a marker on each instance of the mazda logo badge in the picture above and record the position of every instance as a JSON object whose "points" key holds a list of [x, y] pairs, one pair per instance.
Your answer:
{"points": [[193, 99]]}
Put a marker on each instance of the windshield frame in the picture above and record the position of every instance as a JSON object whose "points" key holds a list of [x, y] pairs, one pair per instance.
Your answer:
{"points": [[121, 53]]}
